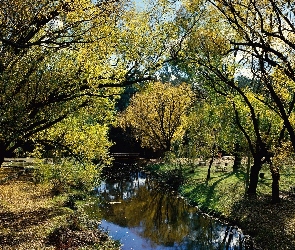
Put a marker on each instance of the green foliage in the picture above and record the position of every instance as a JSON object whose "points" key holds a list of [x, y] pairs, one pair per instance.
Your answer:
{"points": [[83, 135], [245, 46], [170, 175], [68, 175], [63, 56], [42, 76]]}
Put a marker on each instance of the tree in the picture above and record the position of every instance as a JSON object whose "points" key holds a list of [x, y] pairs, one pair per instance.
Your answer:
{"points": [[41, 74], [265, 40], [212, 128], [208, 53], [57, 57], [265, 31], [157, 114], [83, 135]]}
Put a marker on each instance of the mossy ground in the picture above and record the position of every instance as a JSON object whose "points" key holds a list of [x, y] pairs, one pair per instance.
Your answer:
{"points": [[32, 218], [272, 226]]}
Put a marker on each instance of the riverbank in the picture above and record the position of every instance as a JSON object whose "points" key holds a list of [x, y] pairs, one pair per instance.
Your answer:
{"points": [[271, 226], [31, 217]]}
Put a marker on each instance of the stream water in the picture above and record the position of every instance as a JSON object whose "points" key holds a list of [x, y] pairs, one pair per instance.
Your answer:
{"points": [[141, 214]]}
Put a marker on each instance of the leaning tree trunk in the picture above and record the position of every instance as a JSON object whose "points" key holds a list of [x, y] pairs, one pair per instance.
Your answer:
{"points": [[275, 187], [254, 176]]}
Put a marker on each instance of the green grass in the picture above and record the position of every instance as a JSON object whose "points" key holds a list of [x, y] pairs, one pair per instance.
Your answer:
{"points": [[271, 225], [213, 195]]}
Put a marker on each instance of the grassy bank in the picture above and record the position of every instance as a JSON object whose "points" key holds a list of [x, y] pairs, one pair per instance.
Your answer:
{"points": [[272, 226], [33, 218]]}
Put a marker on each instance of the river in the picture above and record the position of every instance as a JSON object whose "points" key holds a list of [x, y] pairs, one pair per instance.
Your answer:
{"points": [[142, 214]]}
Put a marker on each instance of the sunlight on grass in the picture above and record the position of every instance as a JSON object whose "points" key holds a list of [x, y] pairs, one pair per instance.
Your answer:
{"points": [[214, 194], [271, 225]]}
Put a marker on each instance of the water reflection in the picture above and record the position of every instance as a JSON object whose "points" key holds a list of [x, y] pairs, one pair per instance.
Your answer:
{"points": [[145, 216]]}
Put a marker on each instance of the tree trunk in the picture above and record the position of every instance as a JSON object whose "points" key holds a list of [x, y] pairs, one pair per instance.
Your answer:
{"points": [[254, 176], [275, 187], [1, 158], [209, 168], [2, 154], [237, 162], [247, 174], [238, 158], [211, 162]]}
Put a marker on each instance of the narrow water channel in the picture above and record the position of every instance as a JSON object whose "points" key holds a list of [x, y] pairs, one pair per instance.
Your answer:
{"points": [[141, 214]]}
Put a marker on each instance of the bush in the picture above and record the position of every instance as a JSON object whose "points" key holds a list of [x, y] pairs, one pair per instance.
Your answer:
{"points": [[68, 175], [76, 234], [168, 175]]}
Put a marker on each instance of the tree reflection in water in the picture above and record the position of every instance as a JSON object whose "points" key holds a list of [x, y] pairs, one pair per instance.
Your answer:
{"points": [[159, 218]]}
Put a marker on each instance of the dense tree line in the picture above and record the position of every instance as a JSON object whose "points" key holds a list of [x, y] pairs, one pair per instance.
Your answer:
{"points": [[66, 61], [64, 65]]}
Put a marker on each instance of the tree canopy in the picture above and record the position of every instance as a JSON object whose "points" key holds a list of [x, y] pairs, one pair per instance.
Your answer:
{"points": [[64, 63], [158, 114], [252, 40], [59, 57]]}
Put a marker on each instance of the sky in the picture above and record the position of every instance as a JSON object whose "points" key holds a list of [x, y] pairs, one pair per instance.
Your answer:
{"points": [[139, 3]]}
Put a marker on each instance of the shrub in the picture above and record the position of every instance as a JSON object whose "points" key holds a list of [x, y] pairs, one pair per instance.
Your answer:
{"points": [[68, 174]]}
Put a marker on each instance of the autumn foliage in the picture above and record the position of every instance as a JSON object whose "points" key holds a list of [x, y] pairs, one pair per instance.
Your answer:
{"points": [[157, 115]]}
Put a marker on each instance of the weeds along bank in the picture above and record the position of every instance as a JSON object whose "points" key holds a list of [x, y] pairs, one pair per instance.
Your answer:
{"points": [[47, 214], [272, 226]]}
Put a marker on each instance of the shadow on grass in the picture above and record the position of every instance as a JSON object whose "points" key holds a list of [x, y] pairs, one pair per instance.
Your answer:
{"points": [[204, 192], [271, 225]]}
